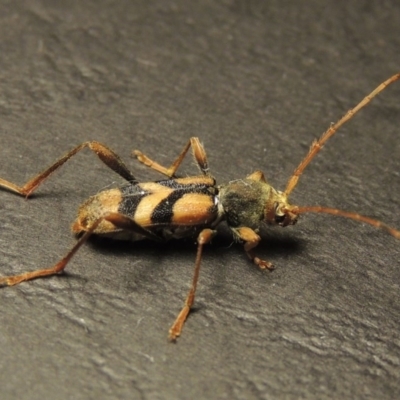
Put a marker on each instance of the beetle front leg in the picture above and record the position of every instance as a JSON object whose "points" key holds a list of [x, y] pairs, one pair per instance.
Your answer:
{"points": [[199, 155], [251, 240], [204, 237]]}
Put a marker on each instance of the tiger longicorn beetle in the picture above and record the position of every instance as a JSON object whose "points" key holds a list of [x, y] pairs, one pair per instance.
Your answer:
{"points": [[175, 208]]}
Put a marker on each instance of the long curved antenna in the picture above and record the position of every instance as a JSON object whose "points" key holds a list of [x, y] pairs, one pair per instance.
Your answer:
{"points": [[318, 144], [352, 215]]}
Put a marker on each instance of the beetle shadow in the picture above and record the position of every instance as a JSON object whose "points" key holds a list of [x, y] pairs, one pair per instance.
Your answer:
{"points": [[280, 245], [274, 245], [160, 256]]}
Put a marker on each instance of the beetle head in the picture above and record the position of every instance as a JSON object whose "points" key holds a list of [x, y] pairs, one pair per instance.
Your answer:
{"points": [[278, 211]]}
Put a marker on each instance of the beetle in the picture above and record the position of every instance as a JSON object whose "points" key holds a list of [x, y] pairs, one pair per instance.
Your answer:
{"points": [[175, 207]]}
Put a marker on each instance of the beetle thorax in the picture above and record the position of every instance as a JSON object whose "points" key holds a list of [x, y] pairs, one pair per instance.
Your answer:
{"points": [[247, 202]]}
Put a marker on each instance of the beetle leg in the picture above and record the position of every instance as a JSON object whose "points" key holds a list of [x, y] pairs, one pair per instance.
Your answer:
{"points": [[128, 224], [251, 240], [204, 237], [199, 155], [111, 159], [257, 176], [120, 221]]}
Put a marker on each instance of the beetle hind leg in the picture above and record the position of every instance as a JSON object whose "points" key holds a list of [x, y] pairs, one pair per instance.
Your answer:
{"points": [[105, 154], [118, 220], [55, 269]]}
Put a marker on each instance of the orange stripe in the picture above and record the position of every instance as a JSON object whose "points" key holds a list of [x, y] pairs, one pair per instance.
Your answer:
{"points": [[190, 180], [194, 209], [146, 207]]}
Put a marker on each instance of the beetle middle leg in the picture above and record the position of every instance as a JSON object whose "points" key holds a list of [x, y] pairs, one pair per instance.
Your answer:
{"points": [[199, 155], [111, 159], [204, 237]]}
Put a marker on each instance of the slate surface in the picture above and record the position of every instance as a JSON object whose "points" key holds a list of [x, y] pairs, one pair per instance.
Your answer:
{"points": [[257, 81]]}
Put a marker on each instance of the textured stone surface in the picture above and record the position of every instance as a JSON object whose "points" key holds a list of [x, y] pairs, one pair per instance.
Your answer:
{"points": [[257, 83]]}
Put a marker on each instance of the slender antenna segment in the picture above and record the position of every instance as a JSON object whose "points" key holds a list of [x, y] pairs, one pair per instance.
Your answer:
{"points": [[352, 215], [318, 144]]}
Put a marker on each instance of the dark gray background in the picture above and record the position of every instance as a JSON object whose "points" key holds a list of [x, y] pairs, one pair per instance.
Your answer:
{"points": [[257, 82]]}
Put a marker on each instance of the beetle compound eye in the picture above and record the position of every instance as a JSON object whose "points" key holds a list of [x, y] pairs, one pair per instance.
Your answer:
{"points": [[278, 217]]}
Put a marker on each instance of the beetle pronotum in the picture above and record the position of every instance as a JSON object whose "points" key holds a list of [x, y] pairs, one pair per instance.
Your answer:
{"points": [[174, 208]]}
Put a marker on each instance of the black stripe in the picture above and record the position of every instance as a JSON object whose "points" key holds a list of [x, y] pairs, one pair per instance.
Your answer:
{"points": [[163, 213], [170, 183], [132, 195]]}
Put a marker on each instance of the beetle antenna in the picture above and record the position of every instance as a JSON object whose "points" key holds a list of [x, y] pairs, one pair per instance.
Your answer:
{"points": [[318, 144], [351, 215]]}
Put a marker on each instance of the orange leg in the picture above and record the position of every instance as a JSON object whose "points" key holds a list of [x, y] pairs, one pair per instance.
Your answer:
{"points": [[120, 222], [199, 155], [251, 240], [204, 237], [111, 159]]}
